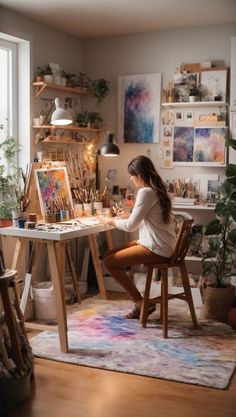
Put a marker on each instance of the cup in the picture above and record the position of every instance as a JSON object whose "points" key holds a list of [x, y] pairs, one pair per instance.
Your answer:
{"points": [[87, 209], [64, 215], [97, 207], [78, 210], [21, 223]]}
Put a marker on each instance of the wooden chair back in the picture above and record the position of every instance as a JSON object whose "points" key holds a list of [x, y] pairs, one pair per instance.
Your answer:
{"points": [[182, 242]]}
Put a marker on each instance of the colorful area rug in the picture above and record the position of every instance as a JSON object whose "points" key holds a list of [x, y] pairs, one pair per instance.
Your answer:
{"points": [[99, 337]]}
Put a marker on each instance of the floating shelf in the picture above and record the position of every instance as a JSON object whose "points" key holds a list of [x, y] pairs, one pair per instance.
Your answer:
{"points": [[70, 127], [196, 104], [41, 86], [193, 207]]}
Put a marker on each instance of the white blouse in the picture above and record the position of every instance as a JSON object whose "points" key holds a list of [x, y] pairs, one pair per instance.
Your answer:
{"points": [[146, 216]]}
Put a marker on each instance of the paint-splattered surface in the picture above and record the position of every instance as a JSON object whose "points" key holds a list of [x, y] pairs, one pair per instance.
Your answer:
{"points": [[100, 337]]}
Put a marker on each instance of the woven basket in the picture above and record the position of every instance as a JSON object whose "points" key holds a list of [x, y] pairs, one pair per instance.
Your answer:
{"points": [[217, 302]]}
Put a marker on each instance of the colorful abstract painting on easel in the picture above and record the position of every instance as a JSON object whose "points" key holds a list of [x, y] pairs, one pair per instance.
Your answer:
{"points": [[54, 191]]}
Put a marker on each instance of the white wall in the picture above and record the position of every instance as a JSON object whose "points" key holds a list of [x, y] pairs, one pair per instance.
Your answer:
{"points": [[46, 45], [110, 57], [149, 53]]}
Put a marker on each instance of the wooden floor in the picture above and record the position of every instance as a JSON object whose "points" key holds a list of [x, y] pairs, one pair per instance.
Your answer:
{"points": [[65, 390]]}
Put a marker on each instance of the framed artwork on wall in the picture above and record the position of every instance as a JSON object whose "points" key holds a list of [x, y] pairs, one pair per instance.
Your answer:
{"points": [[200, 146], [183, 143], [209, 146], [139, 98], [53, 190], [214, 85]]}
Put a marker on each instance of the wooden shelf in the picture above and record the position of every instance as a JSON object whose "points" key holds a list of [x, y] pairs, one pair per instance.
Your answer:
{"points": [[54, 140], [196, 104], [40, 86], [193, 207], [70, 127]]}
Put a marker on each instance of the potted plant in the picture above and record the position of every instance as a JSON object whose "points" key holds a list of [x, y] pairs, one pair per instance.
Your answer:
{"points": [[193, 93], [82, 119], [39, 73], [48, 75], [68, 77], [9, 180], [83, 81], [220, 258], [99, 89], [95, 119]]}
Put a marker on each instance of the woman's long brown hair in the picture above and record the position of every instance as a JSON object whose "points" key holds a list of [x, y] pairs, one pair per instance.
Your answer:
{"points": [[143, 166]]}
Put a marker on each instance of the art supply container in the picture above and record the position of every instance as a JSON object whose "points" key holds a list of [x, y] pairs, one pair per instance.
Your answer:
{"points": [[87, 209]]}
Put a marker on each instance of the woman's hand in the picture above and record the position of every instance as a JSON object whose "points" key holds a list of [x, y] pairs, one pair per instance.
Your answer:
{"points": [[120, 212]]}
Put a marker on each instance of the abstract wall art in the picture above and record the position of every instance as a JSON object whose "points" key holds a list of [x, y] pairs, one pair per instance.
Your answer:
{"points": [[139, 99], [209, 145]]}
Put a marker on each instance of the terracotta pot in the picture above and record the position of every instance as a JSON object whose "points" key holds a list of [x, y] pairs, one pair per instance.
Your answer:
{"points": [[217, 302], [5, 222], [232, 317]]}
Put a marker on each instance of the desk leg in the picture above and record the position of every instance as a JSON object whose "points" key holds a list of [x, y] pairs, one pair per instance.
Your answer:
{"points": [[109, 239], [19, 248], [59, 293], [95, 256], [72, 270]]}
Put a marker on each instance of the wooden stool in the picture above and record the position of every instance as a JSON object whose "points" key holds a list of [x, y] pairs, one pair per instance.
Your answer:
{"points": [[176, 260]]}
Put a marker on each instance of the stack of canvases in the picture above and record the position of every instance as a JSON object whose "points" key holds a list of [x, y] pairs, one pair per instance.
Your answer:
{"points": [[16, 361]]}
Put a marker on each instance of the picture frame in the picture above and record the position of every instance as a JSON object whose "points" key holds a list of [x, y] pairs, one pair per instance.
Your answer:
{"points": [[179, 117], [53, 190], [167, 131], [189, 117], [209, 146], [199, 146], [167, 117], [205, 183], [183, 143], [214, 85], [184, 84], [139, 99]]}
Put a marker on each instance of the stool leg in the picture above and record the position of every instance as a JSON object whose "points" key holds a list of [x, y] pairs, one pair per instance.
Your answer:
{"points": [[188, 292], [146, 295], [165, 301]]}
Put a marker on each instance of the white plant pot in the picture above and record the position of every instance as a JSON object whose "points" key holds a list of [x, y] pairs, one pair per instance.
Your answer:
{"points": [[48, 79]]}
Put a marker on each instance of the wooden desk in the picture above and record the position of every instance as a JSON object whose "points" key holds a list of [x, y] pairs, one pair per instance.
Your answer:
{"points": [[56, 241]]}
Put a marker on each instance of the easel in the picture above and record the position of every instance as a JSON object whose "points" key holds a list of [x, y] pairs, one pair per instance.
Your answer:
{"points": [[64, 251]]}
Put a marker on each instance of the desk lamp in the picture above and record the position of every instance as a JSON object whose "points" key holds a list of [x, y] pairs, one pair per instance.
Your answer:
{"points": [[108, 149], [60, 116]]}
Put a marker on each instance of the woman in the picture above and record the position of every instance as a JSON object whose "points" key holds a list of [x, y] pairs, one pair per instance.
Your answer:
{"points": [[152, 216]]}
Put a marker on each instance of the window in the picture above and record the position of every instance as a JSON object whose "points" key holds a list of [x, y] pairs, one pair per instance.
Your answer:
{"points": [[8, 88]]}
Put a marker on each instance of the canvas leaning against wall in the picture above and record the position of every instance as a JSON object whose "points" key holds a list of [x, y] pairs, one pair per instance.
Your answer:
{"points": [[139, 98]]}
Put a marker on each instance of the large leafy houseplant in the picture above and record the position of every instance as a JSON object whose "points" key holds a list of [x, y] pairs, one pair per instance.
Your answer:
{"points": [[219, 261], [10, 178]]}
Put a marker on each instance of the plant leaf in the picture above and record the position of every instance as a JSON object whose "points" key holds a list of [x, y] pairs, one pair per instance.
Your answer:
{"points": [[214, 227], [232, 235]]}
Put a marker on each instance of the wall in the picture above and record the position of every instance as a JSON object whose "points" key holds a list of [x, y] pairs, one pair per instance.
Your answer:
{"points": [[149, 53], [46, 45]]}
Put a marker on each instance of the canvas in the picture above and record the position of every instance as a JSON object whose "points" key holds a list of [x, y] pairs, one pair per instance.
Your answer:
{"points": [[53, 190], [100, 337], [139, 99]]}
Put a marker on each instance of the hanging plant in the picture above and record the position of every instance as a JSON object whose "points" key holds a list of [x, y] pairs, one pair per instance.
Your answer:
{"points": [[99, 89]]}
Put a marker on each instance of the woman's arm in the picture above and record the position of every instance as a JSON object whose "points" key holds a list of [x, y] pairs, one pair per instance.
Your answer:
{"points": [[145, 199]]}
